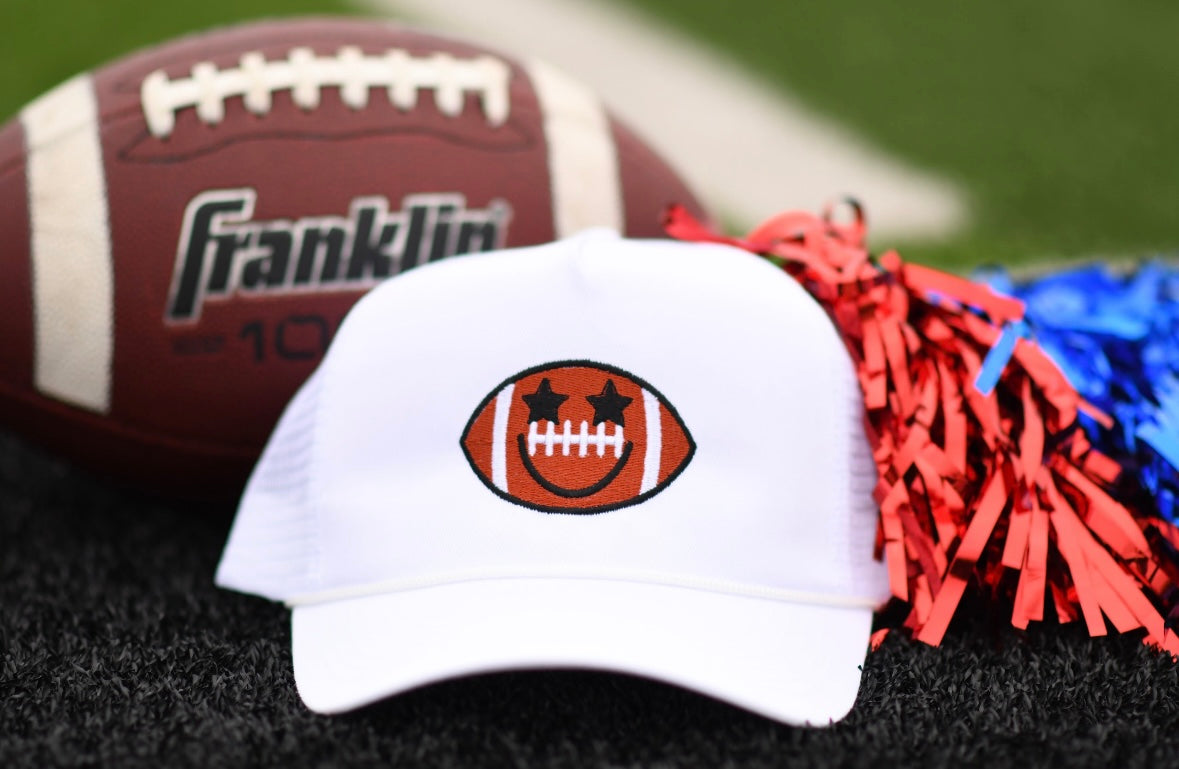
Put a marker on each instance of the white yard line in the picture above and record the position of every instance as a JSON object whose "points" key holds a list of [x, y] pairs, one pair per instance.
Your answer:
{"points": [[747, 149]]}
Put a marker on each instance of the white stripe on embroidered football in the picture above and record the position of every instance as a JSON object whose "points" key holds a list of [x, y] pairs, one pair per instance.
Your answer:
{"points": [[583, 439], [305, 75], [499, 438], [583, 161], [72, 272], [654, 455]]}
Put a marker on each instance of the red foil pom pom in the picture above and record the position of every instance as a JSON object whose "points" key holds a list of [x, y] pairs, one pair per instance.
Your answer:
{"points": [[993, 487]]}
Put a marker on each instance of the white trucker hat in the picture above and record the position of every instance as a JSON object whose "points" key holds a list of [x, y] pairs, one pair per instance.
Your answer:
{"points": [[636, 456]]}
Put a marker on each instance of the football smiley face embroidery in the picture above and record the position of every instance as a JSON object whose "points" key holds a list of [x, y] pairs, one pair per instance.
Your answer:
{"points": [[576, 437]]}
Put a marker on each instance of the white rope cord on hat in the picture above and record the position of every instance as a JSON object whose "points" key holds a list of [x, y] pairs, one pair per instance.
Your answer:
{"points": [[707, 584]]}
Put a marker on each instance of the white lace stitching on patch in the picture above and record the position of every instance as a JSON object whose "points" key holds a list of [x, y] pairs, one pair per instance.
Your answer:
{"points": [[304, 74], [568, 439]]}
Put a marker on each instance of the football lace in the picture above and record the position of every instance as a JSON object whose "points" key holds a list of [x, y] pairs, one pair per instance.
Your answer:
{"points": [[582, 440], [303, 73]]}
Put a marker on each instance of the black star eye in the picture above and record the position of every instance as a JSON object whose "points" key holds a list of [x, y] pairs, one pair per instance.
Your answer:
{"points": [[543, 403], [608, 405]]}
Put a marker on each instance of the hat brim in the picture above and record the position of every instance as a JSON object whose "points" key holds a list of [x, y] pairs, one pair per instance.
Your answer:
{"points": [[794, 662]]}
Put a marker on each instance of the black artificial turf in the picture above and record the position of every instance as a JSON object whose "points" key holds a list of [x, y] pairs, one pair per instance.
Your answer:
{"points": [[116, 650]]}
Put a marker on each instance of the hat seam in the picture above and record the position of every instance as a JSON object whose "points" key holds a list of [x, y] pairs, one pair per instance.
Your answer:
{"points": [[314, 511]]}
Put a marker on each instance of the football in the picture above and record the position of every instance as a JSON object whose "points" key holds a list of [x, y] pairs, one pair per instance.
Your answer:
{"points": [[185, 228], [576, 437]]}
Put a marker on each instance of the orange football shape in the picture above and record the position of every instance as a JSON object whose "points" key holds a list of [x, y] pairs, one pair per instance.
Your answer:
{"points": [[576, 437]]}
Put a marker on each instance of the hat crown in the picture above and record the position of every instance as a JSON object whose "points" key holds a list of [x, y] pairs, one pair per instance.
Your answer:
{"points": [[772, 479]]}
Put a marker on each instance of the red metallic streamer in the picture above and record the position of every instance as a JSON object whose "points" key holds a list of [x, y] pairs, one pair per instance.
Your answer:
{"points": [[999, 492]]}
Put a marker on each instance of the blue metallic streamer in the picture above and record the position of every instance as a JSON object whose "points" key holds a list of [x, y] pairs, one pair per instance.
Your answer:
{"points": [[996, 360], [1116, 338]]}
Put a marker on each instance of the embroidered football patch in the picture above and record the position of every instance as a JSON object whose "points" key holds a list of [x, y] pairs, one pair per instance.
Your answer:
{"points": [[576, 437]]}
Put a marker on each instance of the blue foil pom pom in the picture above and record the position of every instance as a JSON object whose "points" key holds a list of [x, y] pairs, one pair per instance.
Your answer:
{"points": [[1116, 338]]}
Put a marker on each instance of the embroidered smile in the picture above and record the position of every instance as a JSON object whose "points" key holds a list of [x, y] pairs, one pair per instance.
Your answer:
{"points": [[567, 440], [544, 405]]}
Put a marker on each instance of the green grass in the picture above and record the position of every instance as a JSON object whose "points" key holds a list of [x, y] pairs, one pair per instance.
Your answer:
{"points": [[1057, 117], [43, 42]]}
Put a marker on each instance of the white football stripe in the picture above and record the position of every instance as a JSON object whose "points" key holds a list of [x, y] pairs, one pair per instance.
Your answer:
{"points": [[583, 164], [654, 443], [73, 281], [499, 438]]}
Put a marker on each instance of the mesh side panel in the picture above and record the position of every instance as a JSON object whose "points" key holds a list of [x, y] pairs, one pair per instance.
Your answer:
{"points": [[271, 545], [867, 575]]}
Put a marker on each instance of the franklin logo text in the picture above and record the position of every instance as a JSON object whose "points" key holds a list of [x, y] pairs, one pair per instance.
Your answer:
{"points": [[223, 252]]}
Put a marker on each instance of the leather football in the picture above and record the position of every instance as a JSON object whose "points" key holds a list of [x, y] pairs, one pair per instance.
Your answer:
{"points": [[186, 227]]}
